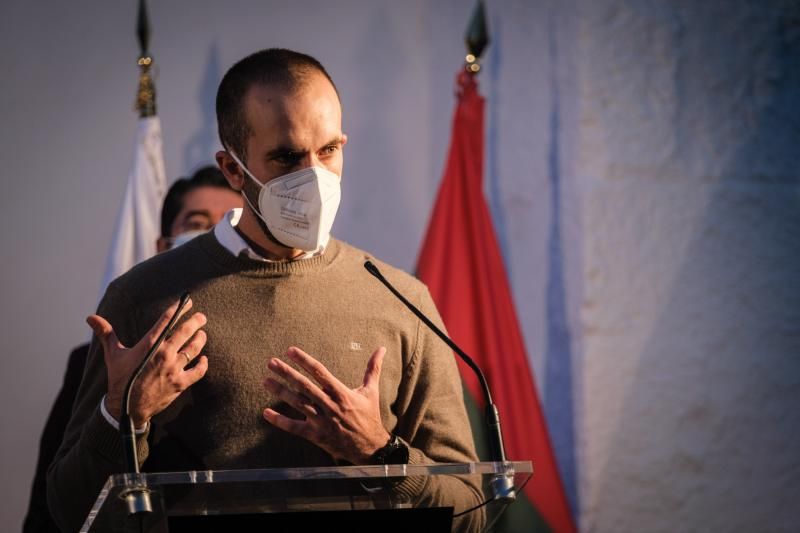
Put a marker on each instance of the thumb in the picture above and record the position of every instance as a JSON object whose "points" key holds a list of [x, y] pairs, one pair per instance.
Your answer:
{"points": [[103, 331], [373, 374]]}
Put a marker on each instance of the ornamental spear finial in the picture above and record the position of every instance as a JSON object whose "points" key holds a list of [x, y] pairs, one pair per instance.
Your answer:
{"points": [[146, 93], [477, 37]]}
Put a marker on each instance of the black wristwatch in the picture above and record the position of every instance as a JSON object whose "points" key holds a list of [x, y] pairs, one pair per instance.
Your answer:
{"points": [[394, 453]]}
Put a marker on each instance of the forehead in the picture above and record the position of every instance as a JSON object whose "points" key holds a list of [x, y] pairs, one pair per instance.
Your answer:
{"points": [[301, 116], [210, 199]]}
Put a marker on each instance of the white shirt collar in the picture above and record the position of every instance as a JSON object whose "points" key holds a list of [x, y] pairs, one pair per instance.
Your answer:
{"points": [[226, 234]]}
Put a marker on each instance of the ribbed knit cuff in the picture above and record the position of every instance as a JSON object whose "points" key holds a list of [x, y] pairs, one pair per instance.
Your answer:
{"points": [[412, 486], [114, 424], [106, 441]]}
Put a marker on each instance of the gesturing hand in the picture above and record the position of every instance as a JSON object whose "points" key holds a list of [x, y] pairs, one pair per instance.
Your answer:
{"points": [[344, 422], [165, 377]]}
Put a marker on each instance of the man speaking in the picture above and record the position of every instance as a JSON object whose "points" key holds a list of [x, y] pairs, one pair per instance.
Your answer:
{"points": [[291, 354]]}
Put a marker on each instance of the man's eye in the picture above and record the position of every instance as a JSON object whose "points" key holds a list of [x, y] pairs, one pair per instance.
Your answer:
{"points": [[193, 225], [330, 149], [288, 160], [197, 221]]}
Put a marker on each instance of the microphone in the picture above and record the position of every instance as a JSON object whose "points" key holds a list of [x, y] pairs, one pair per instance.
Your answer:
{"points": [[138, 497], [502, 486]]}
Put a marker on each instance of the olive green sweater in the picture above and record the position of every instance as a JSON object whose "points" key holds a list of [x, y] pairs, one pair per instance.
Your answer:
{"points": [[327, 305]]}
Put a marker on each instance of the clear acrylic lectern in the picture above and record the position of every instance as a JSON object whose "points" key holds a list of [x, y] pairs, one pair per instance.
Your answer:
{"points": [[347, 498]]}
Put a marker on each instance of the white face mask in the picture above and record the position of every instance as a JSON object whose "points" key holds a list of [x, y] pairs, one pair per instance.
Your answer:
{"points": [[298, 208], [186, 236]]}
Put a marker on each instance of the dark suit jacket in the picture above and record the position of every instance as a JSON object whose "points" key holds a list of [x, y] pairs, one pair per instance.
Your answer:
{"points": [[38, 518]]}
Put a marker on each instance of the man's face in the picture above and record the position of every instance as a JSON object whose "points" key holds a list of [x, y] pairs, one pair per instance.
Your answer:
{"points": [[202, 208], [292, 130]]}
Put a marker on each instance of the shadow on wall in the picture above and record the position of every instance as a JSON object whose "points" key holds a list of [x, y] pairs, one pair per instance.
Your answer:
{"points": [[555, 74], [559, 395], [493, 175], [202, 143], [710, 428]]}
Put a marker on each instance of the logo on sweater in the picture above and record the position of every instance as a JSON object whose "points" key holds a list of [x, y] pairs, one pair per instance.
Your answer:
{"points": [[355, 346]]}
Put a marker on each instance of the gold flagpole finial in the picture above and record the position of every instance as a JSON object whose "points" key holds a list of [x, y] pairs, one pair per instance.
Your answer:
{"points": [[146, 93], [477, 38]]}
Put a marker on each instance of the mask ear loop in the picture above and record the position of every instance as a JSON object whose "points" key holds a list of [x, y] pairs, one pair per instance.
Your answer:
{"points": [[260, 217], [249, 175], [244, 168], [253, 209]]}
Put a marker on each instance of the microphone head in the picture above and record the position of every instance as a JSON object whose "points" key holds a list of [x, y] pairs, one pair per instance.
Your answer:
{"points": [[372, 269]]}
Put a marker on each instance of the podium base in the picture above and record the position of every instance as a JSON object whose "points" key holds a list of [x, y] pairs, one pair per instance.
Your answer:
{"points": [[436, 519]]}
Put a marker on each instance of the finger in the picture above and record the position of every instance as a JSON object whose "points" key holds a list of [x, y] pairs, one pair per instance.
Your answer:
{"points": [[299, 402], [104, 333], [329, 383], [192, 349], [295, 427], [301, 384], [164, 319], [186, 330], [194, 374], [372, 375]]}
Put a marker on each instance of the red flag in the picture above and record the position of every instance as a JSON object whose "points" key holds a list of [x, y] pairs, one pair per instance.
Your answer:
{"points": [[460, 261]]}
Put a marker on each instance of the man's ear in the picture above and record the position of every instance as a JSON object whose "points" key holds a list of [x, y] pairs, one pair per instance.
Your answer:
{"points": [[230, 169]]}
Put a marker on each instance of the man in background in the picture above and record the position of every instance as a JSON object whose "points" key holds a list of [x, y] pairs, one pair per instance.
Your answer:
{"points": [[192, 206]]}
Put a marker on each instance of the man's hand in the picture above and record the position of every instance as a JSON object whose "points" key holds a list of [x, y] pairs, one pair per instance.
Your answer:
{"points": [[344, 422], [165, 377]]}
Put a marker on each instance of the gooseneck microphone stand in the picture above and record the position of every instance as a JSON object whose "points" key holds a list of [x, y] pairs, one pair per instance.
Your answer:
{"points": [[137, 496], [502, 486]]}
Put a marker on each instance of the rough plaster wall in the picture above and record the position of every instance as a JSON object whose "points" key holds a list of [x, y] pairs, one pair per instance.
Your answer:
{"points": [[689, 165]]}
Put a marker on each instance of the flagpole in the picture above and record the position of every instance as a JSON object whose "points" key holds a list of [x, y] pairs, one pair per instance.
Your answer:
{"points": [[139, 217]]}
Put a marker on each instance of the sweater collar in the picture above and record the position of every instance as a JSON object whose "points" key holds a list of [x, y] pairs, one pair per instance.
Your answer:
{"points": [[226, 234], [243, 263]]}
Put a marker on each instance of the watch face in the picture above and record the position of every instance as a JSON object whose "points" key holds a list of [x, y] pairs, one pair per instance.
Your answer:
{"points": [[394, 453], [399, 456], [397, 452]]}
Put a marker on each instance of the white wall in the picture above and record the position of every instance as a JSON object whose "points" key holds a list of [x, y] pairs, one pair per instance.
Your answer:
{"points": [[642, 166], [688, 167]]}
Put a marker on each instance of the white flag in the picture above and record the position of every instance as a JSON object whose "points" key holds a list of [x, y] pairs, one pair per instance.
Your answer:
{"points": [[139, 217]]}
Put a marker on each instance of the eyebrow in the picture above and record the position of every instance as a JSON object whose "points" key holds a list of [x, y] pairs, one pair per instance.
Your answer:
{"points": [[335, 140], [283, 150], [286, 149]]}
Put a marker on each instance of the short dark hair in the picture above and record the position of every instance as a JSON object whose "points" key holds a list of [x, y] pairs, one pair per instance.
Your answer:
{"points": [[207, 176], [275, 66]]}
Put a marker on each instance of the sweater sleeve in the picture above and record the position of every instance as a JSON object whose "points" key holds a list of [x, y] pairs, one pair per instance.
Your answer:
{"points": [[433, 421], [91, 449]]}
